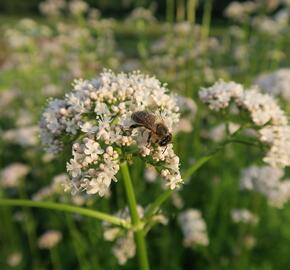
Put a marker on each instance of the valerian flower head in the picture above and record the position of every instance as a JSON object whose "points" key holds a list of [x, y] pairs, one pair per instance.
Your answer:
{"points": [[220, 94], [267, 181], [96, 116], [264, 112], [276, 83]]}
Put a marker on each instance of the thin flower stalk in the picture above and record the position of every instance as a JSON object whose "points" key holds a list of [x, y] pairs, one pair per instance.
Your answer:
{"points": [[136, 222], [67, 208]]}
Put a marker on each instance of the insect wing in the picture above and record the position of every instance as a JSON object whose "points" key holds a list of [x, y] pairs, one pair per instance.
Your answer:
{"points": [[144, 118]]}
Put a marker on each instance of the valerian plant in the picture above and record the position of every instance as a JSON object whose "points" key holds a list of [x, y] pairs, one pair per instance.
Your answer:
{"points": [[95, 119]]}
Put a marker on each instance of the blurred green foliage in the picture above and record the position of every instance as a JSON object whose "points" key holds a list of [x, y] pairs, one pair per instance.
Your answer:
{"points": [[119, 8]]}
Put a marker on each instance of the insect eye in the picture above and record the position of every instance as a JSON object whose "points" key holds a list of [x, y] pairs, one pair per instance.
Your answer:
{"points": [[168, 138], [165, 140], [162, 143]]}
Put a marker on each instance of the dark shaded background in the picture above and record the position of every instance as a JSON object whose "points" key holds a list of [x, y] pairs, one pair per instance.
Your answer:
{"points": [[115, 8]]}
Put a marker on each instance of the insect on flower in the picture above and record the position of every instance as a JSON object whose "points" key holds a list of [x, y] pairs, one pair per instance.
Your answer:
{"points": [[158, 130]]}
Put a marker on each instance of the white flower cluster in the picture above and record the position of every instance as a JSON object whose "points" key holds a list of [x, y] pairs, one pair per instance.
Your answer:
{"points": [[278, 137], [272, 26], [276, 83], [193, 228], [219, 95], [92, 168], [262, 107], [267, 181], [96, 117], [271, 122], [125, 247], [244, 216]]}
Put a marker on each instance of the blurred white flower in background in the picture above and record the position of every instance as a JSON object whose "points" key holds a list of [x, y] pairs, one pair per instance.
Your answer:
{"points": [[142, 14], [240, 11], [219, 133], [49, 239], [52, 7], [276, 83], [25, 136], [267, 181], [243, 215], [150, 174], [78, 7], [270, 26], [193, 227], [14, 259], [177, 200], [124, 247], [12, 174], [56, 187]]}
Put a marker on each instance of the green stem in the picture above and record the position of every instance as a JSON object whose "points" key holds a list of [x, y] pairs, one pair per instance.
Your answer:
{"points": [[153, 208], [55, 259], [170, 11], [240, 141], [136, 222], [66, 208], [180, 10], [191, 6], [141, 45], [29, 225], [206, 21], [76, 243], [193, 168]]}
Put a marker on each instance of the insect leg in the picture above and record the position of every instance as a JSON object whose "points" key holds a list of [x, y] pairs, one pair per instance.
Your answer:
{"points": [[135, 126], [149, 138], [164, 149]]}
